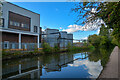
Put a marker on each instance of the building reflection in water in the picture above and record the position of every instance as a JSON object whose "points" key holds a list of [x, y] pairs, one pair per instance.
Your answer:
{"points": [[28, 68]]}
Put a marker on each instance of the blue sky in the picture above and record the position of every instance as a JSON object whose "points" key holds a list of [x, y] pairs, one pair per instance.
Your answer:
{"points": [[57, 15]]}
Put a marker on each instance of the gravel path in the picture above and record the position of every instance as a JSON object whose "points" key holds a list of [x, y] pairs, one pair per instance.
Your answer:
{"points": [[111, 69]]}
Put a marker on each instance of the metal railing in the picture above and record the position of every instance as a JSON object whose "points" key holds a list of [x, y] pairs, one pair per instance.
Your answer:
{"points": [[28, 46]]}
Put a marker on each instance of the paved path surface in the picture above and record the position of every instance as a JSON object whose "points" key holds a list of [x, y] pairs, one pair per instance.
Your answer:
{"points": [[111, 69]]}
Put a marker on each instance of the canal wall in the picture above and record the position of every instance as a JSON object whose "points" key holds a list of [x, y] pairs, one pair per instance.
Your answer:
{"points": [[111, 68]]}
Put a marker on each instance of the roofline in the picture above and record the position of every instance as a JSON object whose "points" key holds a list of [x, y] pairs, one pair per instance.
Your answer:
{"points": [[70, 34], [22, 8], [63, 31], [51, 29]]}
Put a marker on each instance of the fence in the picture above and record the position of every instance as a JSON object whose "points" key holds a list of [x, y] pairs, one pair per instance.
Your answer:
{"points": [[28, 46]]}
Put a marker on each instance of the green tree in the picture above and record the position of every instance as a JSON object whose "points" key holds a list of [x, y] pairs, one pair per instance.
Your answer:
{"points": [[56, 48], [109, 12], [94, 40], [104, 31], [69, 46]]}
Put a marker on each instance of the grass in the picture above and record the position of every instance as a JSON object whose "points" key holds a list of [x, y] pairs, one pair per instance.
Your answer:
{"points": [[46, 50]]}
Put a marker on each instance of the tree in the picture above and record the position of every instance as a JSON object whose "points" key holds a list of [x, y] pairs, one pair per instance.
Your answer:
{"points": [[94, 40], [92, 12], [104, 31]]}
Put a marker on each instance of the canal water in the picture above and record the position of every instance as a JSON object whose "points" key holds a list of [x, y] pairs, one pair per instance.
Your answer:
{"points": [[64, 65]]}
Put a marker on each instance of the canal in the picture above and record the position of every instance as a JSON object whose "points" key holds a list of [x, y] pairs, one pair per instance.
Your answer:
{"points": [[65, 65]]}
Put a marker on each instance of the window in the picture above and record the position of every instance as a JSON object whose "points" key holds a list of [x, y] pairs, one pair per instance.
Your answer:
{"points": [[40, 30], [35, 29], [24, 25], [11, 22], [1, 22], [25, 46], [6, 45], [17, 24], [13, 45]]}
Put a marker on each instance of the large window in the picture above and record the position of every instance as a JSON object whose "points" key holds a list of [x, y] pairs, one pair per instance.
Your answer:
{"points": [[18, 21], [35, 29]]}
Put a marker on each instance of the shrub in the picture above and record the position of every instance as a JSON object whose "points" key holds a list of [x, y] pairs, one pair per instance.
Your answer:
{"points": [[56, 48], [47, 48], [69, 47]]}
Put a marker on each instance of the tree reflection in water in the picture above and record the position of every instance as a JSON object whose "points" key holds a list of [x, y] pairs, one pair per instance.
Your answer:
{"points": [[100, 54]]}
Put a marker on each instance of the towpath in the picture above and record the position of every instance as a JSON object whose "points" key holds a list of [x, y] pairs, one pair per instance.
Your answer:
{"points": [[111, 70]]}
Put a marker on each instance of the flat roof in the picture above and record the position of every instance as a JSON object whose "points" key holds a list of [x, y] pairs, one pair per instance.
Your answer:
{"points": [[51, 29]]}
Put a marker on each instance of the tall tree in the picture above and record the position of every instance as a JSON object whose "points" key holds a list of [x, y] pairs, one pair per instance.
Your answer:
{"points": [[92, 12], [104, 31]]}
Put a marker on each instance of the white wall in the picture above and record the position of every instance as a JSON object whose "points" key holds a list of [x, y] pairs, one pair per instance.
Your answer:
{"points": [[35, 18]]}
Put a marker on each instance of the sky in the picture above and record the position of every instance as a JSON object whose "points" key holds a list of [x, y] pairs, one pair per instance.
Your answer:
{"points": [[58, 15]]}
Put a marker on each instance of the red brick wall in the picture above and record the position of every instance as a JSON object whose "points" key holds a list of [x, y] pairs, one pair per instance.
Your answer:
{"points": [[11, 37], [28, 39]]}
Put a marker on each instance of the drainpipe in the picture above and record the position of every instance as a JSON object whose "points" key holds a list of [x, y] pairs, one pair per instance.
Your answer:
{"points": [[19, 40], [38, 41]]}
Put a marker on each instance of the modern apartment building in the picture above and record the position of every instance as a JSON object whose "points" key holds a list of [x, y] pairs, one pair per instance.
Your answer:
{"points": [[55, 37], [20, 27]]}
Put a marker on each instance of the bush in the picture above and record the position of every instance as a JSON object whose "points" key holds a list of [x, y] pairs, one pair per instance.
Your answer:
{"points": [[47, 48], [69, 47], [56, 48]]}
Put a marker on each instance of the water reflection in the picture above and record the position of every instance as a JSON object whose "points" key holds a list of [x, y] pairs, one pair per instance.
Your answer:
{"points": [[65, 65], [100, 54]]}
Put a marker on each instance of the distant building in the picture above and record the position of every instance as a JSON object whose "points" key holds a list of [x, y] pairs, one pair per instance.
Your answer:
{"points": [[52, 37], [55, 37], [20, 28], [78, 44]]}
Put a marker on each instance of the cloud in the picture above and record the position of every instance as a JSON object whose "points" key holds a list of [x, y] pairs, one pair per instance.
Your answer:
{"points": [[43, 30], [98, 31], [73, 28], [94, 68], [93, 10], [87, 27], [85, 38], [60, 27]]}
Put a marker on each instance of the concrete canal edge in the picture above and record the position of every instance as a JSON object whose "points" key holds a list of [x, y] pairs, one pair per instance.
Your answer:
{"points": [[111, 70]]}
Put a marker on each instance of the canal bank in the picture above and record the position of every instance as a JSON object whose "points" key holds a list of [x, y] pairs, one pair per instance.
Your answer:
{"points": [[7, 55], [111, 68]]}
